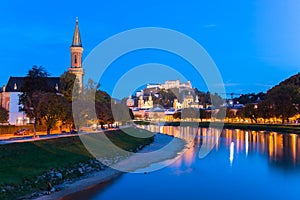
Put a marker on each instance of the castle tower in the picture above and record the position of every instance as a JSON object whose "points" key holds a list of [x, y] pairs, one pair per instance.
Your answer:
{"points": [[150, 101], [141, 102], [130, 102], [76, 56]]}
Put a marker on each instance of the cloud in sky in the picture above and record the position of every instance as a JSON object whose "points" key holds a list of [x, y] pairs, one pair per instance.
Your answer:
{"points": [[210, 25], [265, 85], [228, 85]]}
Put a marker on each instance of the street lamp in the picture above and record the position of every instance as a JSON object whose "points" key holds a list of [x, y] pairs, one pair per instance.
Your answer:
{"points": [[231, 103]]}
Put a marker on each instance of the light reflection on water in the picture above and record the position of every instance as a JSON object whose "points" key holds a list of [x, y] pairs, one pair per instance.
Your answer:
{"points": [[280, 148], [241, 165]]}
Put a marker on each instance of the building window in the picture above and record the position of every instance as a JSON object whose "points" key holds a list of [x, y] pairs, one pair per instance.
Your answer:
{"points": [[75, 59]]}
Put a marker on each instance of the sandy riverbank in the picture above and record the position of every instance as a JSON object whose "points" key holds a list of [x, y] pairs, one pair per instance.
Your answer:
{"points": [[83, 184], [160, 153]]}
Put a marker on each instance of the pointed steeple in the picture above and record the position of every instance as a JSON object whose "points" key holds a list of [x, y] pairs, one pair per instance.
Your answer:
{"points": [[76, 56], [76, 37]]}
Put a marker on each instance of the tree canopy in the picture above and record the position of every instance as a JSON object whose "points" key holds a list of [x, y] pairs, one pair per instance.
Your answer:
{"points": [[35, 86], [3, 115], [284, 101], [69, 85]]}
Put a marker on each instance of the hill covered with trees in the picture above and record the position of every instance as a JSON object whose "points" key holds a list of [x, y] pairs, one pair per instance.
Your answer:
{"points": [[280, 102]]}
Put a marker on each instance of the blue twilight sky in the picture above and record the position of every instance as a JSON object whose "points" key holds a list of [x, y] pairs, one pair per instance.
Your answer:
{"points": [[255, 44]]}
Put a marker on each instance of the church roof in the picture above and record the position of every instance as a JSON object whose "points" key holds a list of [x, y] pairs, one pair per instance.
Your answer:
{"points": [[76, 42], [14, 84]]}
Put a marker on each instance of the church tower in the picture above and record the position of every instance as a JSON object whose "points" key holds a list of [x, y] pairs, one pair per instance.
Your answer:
{"points": [[76, 56]]}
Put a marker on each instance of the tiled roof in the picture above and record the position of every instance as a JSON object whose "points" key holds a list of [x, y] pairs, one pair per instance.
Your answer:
{"points": [[14, 84]]}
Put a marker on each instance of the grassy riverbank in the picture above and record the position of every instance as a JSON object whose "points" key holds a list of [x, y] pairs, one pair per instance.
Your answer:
{"points": [[26, 167], [283, 128]]}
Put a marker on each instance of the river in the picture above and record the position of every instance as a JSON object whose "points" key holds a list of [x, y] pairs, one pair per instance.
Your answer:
{"points": [[241, 165]]}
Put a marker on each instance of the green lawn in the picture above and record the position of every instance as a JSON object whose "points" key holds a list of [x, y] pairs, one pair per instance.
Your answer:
{"points": [[22, 163]]}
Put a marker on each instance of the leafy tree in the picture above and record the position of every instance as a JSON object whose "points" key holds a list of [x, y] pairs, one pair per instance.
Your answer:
{"points": [[204, 114], [284, 100], [250, 98], [216, 100], [67, 115], [230, 113], [34, 87], [293, 80], [249, 111], [224, 112], [103, 107], [52, 109], [121, 113], [83, 105], [265, 110], [68, 85], [204, 98], [3, 115], [166, 97], [192, 113], [241, 114], [177, 115], [90, 100], [82, 111]]}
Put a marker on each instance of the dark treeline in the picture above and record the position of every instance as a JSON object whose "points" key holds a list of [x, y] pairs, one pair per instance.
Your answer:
{"points": [[280, 102], [48, 106]]}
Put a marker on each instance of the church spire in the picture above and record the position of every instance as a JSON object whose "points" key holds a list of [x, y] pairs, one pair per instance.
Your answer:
{"points": [[76, 37], [76, 56]]}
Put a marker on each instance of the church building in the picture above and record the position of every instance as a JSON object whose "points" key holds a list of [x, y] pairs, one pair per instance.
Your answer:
{"points": [[9, 95]]}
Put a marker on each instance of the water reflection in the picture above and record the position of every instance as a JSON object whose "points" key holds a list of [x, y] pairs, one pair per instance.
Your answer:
{"points": [[281, 149], [231, 153], [241, 165]]}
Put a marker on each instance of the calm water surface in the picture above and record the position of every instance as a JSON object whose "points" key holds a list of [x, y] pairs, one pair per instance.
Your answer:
{"points": [[241, 165]]}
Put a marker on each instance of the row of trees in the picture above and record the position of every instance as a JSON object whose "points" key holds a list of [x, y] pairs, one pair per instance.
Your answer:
{"points": [[281, 102], [44, 104]]}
